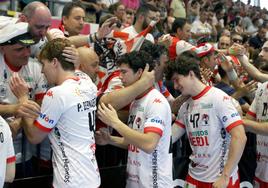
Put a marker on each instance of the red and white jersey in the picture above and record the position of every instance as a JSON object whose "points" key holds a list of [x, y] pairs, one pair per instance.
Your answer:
{"points": [[207, 118], [6, 149], [258, 110], [150, 113], [133, 33], [31, 73], [68, 113], [37, 83]]}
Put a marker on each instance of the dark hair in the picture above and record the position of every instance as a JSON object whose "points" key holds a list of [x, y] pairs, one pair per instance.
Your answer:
{"points": [[155, 50], [186, 62], [178, 23], [136, 60], [68, 7], [144, 9], [113, 7], [53, 49]]}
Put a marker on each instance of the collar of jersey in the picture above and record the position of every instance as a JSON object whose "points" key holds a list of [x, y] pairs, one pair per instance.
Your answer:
{"points": [[10, 66], [144, 94], [203, 92]]}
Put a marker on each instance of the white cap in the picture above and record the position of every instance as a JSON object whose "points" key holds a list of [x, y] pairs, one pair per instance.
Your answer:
{"points": [[16, 33]]}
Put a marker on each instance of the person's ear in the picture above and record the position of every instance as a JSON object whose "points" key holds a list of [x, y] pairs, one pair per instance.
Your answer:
{"points": [[23, 18], [55, 62]]}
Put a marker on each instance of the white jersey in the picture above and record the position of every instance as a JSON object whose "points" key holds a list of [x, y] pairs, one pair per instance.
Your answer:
{"points": [[207, 118], [133, 33], [37, 83], [6, 149], [151, 113], [258, 110], [68, 113]]}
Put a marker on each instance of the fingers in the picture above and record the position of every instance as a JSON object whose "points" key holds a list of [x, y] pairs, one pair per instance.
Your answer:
{"points": [[29, 109]]}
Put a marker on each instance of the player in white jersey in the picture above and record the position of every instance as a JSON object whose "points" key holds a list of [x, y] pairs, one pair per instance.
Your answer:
{"points": [[213, 126], [147, 134], [257, 117], [67, 116], [7, 156]]}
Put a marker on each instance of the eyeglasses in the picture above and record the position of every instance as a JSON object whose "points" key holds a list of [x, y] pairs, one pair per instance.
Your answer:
{"points": [[238, 41]]}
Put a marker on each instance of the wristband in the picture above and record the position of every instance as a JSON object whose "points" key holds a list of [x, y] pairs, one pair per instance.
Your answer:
{"points": [[90, 39], [232, 75]]}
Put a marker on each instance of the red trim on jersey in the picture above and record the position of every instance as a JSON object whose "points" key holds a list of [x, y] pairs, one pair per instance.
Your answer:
{"points": [[234, 124], [252, 114], [154, 130], [144, 94], [41, 127], [172, 48], [12, 67], [261, 183], [107, 80], [180, 124], [201, 93], [11, 159], [39, 96]]}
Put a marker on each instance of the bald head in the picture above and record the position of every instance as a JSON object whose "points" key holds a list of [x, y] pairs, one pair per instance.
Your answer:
{"points": [[39, 18], [89, 62]]}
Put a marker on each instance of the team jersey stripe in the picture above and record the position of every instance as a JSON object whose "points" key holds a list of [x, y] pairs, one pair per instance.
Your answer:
{"points": [[251, 114], [201, 93], [180, 124], [39, 96], [154, 130], [11, 159], [38, 125], [234, 124]]}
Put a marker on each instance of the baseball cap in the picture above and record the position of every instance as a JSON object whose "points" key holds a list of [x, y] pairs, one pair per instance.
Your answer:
{"points": [[16, 33], [204, 49]]}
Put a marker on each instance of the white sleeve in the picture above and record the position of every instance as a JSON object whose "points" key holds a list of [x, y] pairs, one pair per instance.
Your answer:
{"points": [[51, 110]]}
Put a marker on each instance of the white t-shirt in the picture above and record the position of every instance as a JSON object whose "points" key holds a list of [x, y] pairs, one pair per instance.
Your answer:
{"points": [[258, 110], [37, 83], [133, 33], [68, 113], [207, 118], [151, 113], [6, 149], [201, 28]]}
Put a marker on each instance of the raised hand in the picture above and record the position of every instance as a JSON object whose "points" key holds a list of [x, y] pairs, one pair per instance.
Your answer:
{"points": [[108, 115], [71, 55], [19, 87]]}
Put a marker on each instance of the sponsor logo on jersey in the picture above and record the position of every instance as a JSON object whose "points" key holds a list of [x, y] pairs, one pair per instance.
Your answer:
{"points": [[201, 155], [194, 165], [226, 98], [133, 148], [49, 93], [199, 138], [157, 101], [157, 120], [46, 118], [205, 119], [234, 114], [206, 105], [138, 122], [224, 118], [155, 168]]}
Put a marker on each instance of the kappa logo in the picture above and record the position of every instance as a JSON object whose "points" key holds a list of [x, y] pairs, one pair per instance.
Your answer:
{"points": [[226, 98], [157, 101], [50, 93]]}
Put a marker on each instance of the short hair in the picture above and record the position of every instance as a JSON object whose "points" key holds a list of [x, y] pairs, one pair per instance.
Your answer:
{"points": [[144, 9], [183, 64], [113, 7], [178, 23], [155, 50], [54, 49], [68, 7], [136, 60]]}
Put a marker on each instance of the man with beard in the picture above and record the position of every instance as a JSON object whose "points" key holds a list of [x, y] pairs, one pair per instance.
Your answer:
{"points": [[253, 72], [144, 15]]}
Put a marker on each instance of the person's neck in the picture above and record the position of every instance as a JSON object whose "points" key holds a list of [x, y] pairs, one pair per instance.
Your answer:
{"points": [[144, 93], [11, 64], [63, 76], [198, 87]]}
